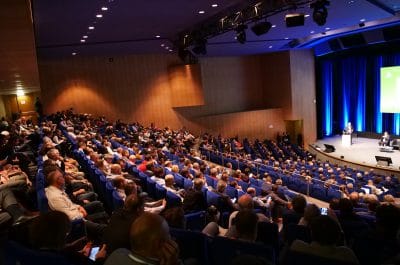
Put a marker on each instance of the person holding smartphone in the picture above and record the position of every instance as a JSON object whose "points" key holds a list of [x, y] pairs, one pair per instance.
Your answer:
{"points": [[150, 244]]}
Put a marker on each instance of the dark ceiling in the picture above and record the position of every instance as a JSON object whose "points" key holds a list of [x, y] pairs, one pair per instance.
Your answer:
{"points": [[131, 26]]}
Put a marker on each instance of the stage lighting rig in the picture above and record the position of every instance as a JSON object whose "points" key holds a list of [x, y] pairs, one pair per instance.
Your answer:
{"points": [[320, 12], [241, 33]]}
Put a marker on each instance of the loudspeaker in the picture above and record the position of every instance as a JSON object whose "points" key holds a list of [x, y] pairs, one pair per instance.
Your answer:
{"points": [[334, 45], [353, 40], [329, 148], [294, 20], [261, 28], [392, 33], [341, 157]]}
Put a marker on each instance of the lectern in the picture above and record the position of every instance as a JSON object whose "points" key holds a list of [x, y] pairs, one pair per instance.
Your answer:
{"points": [[346, 139]]}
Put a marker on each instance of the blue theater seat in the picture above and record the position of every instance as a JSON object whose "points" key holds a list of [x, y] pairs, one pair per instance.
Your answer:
{"points": [[223, 250]]}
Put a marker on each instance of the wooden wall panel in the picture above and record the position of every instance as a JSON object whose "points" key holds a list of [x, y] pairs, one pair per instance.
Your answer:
{"points": [[238, 92], [302, 71], [259, 124], [186, 86]]}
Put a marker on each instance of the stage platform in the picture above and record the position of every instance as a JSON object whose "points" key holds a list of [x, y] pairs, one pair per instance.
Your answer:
{"points": [[361, 154]]}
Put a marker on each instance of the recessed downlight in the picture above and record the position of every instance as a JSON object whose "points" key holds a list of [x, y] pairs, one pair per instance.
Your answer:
{"points": [[82, 40], [85, 36], [158, 36], [99, 15], [74, 53], [273, 26], [214, 5], [162, 45], [104, 8], [91, 27], [201, 12]]}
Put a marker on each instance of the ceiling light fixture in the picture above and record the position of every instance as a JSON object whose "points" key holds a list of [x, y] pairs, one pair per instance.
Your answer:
{"points": [[201, 12], [91, 27], [85, 36], [82, 40], [162, 45], [158, 36], [104, 8], [214, 5], [99, 15], [320, 12], [273, 26], [20, 92], [74, 53]]}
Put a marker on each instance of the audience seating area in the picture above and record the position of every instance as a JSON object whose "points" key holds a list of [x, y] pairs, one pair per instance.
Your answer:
{"points": [[249, 165]]}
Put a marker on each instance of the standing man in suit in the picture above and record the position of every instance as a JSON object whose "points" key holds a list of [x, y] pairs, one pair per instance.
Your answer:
{"points": [[348, 129]]}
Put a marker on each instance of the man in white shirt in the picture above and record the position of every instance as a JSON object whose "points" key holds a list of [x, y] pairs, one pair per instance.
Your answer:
{"points": [[58, 200]]}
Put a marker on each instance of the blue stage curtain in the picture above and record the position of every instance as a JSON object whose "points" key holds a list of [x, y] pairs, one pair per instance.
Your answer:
{"points": [[349, 91]]}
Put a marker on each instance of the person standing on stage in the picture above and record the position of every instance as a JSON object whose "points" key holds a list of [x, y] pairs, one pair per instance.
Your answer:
{"points": [[385, 139], [348, 129]]}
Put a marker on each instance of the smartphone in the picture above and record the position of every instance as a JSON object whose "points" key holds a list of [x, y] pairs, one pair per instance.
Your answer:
{"points": [[324, 211], [93, 252]]}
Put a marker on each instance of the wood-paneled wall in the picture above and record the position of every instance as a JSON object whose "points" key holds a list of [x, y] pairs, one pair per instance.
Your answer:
{"points": [[303, 89], [240, 94]]}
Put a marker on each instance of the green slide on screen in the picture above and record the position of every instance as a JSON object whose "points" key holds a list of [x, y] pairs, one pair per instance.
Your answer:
{"points": [[390, 89]]}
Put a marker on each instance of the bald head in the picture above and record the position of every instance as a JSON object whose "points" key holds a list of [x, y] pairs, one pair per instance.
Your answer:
{"points": [[246, 202], [148, 233]]}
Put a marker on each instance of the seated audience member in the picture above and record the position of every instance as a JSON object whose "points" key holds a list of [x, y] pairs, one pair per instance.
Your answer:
{"points": [[259, 203], [48, 234], [150, 244], [170, 186], [119, 184], [325, 233], [351, 223], [159, 176], [175, 217], [381, 245], [10, 211], [385, 139], [11, 176], [310, 213], [293, 215], [116, 234], [225, 203], [246, 202], [212, 218], [246, 225], [194, 198], [278, 200], [58, 200]]}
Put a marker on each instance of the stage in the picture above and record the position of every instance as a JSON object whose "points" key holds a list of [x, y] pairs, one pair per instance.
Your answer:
{"points": [[361, 153]]}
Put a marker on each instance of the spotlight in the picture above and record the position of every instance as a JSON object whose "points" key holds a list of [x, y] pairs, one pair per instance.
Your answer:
{"points": [[241, 33], [186, 56], [261, 28], [320, 12], [200, 47]]}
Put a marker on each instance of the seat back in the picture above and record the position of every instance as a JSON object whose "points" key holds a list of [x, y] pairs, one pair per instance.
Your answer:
{"points": [[223, 250], [191, 245], [19, 254], [195, 221]]}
